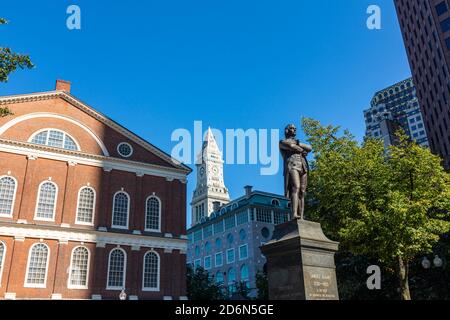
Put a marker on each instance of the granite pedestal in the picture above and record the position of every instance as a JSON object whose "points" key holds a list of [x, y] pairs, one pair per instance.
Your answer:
{"points": [[300, 263]]}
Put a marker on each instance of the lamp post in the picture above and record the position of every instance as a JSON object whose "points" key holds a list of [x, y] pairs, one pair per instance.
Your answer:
{"points": [[123, 295], [437, 262]]}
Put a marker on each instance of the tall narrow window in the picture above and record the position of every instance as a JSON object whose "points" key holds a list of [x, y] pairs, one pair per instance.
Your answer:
{"points": [[116, 270], [37, 266], [121, 209], [151, 272], [8, 188], [153, 214], [86, 205], [45, 209], [2, 258], [79, 268]]}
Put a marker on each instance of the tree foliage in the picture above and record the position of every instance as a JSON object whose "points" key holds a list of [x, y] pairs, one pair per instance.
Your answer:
{"points": [[10, 61], [200, 286], [390, 205]]}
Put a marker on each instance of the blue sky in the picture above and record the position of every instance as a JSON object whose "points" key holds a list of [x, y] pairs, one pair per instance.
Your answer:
{"points": [[155, 66]]}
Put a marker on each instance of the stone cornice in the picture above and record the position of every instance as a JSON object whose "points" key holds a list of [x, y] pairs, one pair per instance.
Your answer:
{"points": [[88, 236], [95, 114]]}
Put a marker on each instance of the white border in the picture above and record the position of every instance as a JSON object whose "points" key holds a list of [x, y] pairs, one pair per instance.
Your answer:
{"points": [[33, 285], [11, 214], [210, 262], [46, 142], [128, 211], [29, 116], [239, 249], [124, 271], [69, 278], [234, 255], [129, 145], [54, 205], [2, 262], [146, 213], [93, 208], [147, 289], [215, 259]]}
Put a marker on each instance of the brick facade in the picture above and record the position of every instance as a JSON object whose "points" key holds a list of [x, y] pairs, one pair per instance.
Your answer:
{"points": [[98, 165]]}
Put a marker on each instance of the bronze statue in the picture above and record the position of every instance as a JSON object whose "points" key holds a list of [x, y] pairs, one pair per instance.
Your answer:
{"points": [[295, 170]]}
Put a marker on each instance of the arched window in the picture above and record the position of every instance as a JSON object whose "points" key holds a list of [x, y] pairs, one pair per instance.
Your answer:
{"points": [[232, 280], [208, 248], [86, 206], [219, 277], [116, 270], [36, 276], [2, 259], [8, 187], [55, 138], [218, 243], [79, 268], [46, 203], [276, 202], [153, 214], [121, 209], [151, 272]]}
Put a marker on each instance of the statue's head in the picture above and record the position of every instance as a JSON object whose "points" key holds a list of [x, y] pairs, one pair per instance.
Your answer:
{"points": [[290, 131]]}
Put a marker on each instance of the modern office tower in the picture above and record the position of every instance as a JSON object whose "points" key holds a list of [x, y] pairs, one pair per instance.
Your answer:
{"points": [[393, 108], [226, 244], [425, 26]]}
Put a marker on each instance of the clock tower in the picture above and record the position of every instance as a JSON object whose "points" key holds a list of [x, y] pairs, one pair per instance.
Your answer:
{"points": [[210, 187]]}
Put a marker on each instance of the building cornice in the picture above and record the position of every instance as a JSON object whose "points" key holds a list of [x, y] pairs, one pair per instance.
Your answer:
{"points": [[38, 151], [87, 236], [40, 96]]}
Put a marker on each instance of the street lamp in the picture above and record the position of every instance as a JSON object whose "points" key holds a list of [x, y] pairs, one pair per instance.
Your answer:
{"points": [[437, 262], [426, 264], [123, 295]]}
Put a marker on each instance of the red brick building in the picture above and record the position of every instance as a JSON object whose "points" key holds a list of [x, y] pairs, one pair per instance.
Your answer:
{"points": [[87, 208]]}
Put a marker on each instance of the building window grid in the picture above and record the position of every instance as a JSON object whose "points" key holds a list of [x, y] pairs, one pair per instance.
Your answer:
{"points": [[151, 272], [7, 194], [230, 256], [207, 263], [86, 205], [46, 201], [264, 215], [37, 266], [198, 235], [218, 259], [242, 217], [121, 210], [153, 214], [208, 231], [219, 227], [243, 252], [79, 268], [280, 217], [116, 269], [55, 138], [230, 222]]}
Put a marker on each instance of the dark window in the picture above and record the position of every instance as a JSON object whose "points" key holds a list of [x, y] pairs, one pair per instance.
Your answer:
{"points": [[445, 25], [441, 8], [447, 41]]}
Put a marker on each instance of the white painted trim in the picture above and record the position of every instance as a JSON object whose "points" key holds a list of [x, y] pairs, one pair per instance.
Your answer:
{"points": [[29, 116], [93, 208], [210, 262], [215, 259], [69, 278], [234, 255], [41, 286], [129, 145], [239, 249], [14, 196], [10, 296], [160, 212], [124, 271], [54, 204], [128, 211], [96, 297], [147, 289], [91, 160], [2, 262], [57, 296], [58, 130], [89, 236]]}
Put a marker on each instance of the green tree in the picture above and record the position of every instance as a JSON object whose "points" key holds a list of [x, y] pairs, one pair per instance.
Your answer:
{"points": [[262, 285], [389, 205], [200, 286], [9, 62]]}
